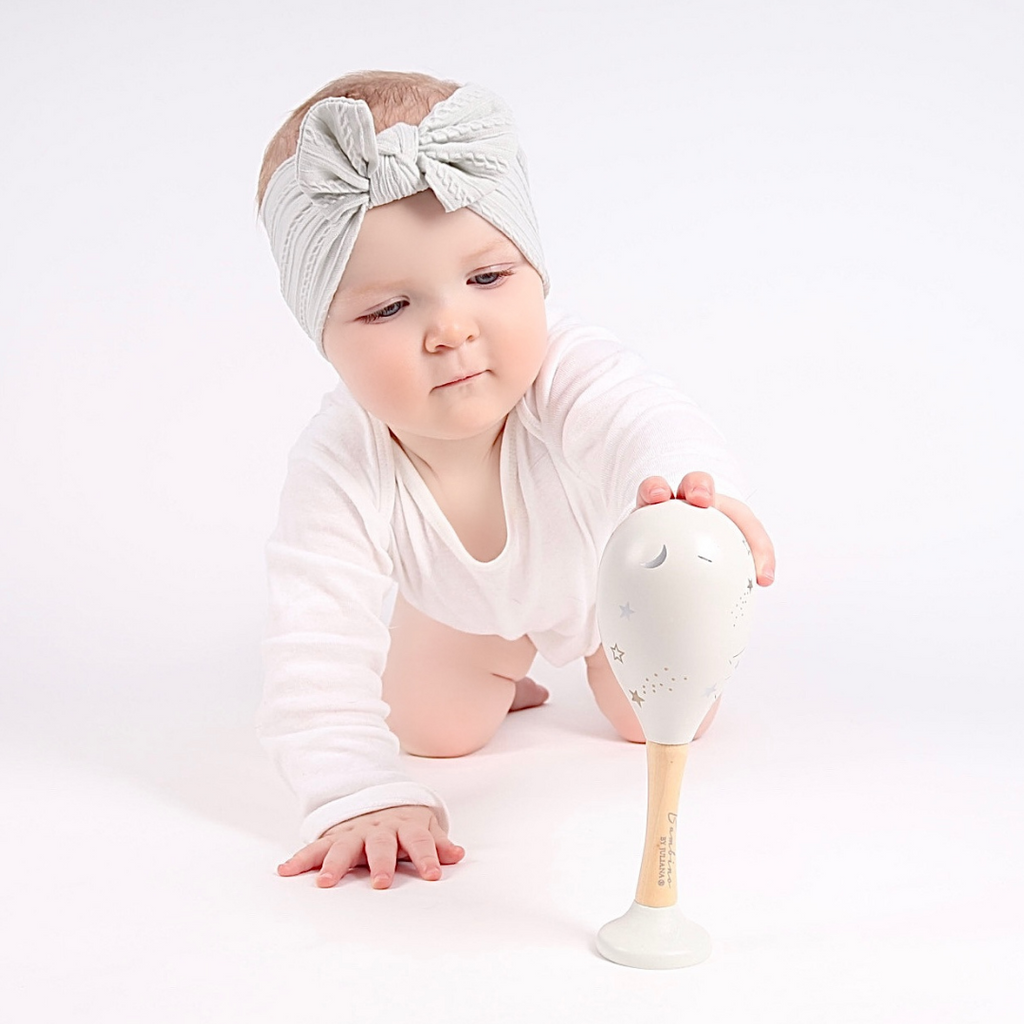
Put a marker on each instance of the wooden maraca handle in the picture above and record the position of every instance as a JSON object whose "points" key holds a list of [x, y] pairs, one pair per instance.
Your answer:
{"points": [[658, 881]]}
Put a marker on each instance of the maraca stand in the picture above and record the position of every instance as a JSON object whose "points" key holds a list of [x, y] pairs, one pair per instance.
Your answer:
{"points": [[653, 933]]}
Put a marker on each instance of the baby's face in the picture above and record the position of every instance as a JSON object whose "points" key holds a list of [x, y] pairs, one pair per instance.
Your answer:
{"points": [[438, 326]]}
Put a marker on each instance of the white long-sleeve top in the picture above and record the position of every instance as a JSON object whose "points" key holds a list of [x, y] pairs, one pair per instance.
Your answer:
{"points": [[356, 518]]}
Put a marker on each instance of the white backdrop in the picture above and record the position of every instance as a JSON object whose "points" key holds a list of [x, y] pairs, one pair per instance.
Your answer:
{"points": [[810, 214]]}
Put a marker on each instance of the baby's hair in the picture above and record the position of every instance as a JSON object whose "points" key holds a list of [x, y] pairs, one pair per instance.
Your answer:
{"points": [[392, 96]]}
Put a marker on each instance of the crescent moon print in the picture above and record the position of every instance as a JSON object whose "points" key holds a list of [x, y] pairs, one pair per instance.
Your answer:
{"points": [[659, 560]]}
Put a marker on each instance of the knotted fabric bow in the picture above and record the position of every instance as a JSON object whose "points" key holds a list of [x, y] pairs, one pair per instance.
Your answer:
{"points": [[465, 151]]}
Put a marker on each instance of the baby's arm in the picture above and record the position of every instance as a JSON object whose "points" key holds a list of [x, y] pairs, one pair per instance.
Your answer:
{"points": [[618, 424], [322, 719]]}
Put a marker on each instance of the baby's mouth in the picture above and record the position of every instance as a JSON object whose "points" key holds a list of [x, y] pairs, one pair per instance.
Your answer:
{"points": [[461, 379]]}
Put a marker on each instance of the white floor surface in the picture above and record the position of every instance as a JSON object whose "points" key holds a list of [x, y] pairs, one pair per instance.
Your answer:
{"points": [[849, 867]]}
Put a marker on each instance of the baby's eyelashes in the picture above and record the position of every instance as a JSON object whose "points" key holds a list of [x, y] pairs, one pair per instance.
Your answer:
{"points": [[385, 312], [490, 277]]}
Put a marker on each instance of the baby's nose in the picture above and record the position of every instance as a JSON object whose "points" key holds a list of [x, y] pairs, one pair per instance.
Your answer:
{"points": [[450, 331]]}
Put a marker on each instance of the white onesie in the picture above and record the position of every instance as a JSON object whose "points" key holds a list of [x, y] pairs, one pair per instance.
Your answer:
{"points": [[356, 518]]}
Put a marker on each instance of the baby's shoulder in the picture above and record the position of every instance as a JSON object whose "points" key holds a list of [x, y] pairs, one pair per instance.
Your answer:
{"points": [[345, 443], [579, 356], [574, 344], [567, 331]]}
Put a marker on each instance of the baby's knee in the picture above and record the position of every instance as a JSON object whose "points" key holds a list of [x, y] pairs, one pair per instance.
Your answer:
{"points": [[439, 726], [426, 744], [626, 724], [611, 701]]}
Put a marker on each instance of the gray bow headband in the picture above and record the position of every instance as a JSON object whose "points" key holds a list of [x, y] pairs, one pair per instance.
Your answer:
{"points": [[465, 151]]}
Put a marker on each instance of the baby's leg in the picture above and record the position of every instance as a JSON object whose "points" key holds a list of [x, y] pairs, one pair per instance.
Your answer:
{"points": [[615, 706], [450, 691]]}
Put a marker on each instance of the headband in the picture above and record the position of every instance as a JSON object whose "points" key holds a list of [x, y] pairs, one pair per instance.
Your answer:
{"points": [[465, 151]]}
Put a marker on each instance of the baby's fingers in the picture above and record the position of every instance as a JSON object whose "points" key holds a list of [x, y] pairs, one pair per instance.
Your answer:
{"points": [[421, 849], [448, 852], [381, 857], [341, 858], [653, 490], [761, 546], [308, 858], [698, 489]]}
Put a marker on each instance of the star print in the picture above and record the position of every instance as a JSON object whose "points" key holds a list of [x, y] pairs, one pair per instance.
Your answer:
{"points": [[616, 653], [636, 698], [625, 611], [750, 585]]}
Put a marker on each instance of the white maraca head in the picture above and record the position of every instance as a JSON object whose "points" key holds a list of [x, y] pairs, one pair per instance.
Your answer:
{"points": [[674, 591]]}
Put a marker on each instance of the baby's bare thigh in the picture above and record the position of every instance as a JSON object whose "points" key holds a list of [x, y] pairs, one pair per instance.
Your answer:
{"points": [[448, 691]]}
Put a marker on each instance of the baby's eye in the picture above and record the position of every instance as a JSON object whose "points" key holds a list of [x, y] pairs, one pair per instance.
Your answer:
{"points": [[391, 309], [489, 277]]}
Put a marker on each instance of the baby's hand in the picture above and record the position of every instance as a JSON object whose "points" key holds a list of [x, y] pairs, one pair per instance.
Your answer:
{"points": [[699, 489], [375, 840]]}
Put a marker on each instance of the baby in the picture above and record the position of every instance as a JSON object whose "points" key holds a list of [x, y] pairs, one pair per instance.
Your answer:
{"points": [[477, 453]]}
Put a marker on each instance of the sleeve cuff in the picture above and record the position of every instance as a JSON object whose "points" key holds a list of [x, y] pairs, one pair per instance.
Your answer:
{"points": [[376, 798]]}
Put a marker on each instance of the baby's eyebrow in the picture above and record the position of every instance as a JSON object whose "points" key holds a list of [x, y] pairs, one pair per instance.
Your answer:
{"points": [[492, 249], [370, 290]]}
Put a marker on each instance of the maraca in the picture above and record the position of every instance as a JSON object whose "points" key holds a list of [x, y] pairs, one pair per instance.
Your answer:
{"points": [[673, 601]]}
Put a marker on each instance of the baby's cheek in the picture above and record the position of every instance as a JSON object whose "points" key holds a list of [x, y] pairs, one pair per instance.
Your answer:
{"points": [[532, 354], [384, 383]]}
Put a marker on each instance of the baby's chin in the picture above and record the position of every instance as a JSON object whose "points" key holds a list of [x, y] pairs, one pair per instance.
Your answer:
{"points": [[453, 429]]}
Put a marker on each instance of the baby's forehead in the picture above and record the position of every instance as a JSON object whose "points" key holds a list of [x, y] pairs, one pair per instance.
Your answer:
{"points": [[412, 239], [423, 214]]}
